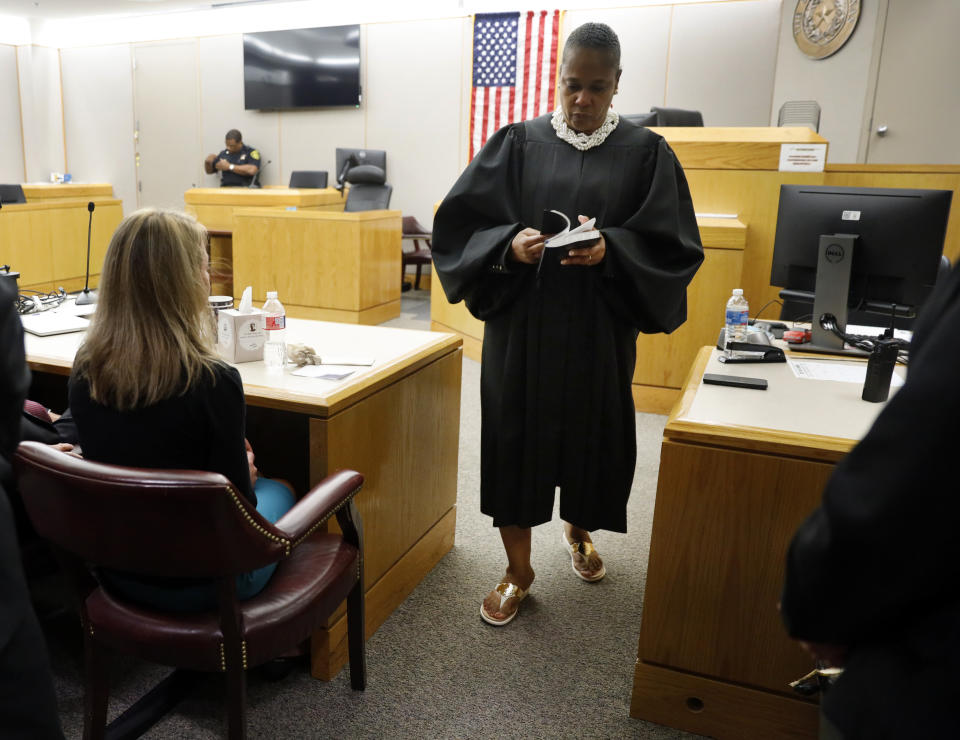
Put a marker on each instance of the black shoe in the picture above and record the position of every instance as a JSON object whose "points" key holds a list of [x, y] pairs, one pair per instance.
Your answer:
{"points": [[278, 668]]}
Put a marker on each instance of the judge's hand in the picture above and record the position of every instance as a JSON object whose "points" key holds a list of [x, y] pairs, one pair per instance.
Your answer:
{"points": [[833, 656], [586, 256], [527, 246], [254, 473]]}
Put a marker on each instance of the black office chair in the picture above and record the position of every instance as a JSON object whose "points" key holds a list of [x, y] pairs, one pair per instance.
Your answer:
{"points": [[308, 179], [641, 119], [800, 113], [677, 117], [368, 189], [12, 194]]}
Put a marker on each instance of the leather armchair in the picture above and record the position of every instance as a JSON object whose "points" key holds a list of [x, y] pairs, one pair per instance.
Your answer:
{"points": [[677, 117], [193, 524], [308, 179], [369, 190], [420, 256]]}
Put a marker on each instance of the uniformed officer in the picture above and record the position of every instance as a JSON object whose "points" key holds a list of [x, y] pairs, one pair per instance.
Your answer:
{"points": [[238, 164]]}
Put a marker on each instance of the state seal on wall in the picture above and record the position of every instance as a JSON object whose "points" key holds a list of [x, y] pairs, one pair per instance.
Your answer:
{"points": [[822, 27]]}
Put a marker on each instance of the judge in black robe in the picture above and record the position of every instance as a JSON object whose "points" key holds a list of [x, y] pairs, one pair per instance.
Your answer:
{"points": [[559, 343], [873, 575]]}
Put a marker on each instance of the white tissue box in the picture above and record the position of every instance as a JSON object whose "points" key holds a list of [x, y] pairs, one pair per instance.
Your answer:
{"points": [[241, 336]]}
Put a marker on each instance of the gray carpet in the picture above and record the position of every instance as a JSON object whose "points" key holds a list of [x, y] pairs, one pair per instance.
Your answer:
{"points": [[564, 667]]}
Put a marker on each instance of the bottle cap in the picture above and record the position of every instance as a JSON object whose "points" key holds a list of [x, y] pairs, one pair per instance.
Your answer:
{"points": [[736, 291], [273, 294]]}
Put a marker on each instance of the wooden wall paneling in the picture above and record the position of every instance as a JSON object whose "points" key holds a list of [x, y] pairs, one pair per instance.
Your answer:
{"points": [[754, 195], [405, 440], [26, 245], [380, 259], [707, 707], [214, 207], [44, 191], [48, 241], [722, 524], [342, 267], [664, 359], [217, 217], [221, 263], [938, 177]]}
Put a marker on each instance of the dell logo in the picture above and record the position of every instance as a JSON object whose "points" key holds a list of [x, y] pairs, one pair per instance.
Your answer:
{"points": [[834, 253]]}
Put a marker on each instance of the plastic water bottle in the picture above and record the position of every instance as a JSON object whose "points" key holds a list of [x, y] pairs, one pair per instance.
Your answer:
{"points": [[275, 348], [738, 315]]}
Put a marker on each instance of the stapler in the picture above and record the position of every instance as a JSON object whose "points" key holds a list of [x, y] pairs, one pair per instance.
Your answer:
{"points": [[757, 348]]}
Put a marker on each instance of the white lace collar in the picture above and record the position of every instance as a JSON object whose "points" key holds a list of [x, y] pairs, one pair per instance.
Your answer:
{"points": [[584, 141]]}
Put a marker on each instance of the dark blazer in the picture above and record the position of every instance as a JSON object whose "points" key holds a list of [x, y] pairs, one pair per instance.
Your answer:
{"points": [[877, 566], [28, 707]]}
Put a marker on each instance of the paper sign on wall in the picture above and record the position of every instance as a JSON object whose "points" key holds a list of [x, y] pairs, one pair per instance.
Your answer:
{"points": [[803, 157]]}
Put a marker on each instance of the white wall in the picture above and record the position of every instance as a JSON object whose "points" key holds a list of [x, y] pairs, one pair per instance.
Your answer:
{"points": [[11, 164], [416, 86], [220, 63], [420, 136], [842, 84], [98, 118], [644, 49], [41, 108], [14, 31], [722, 61]]}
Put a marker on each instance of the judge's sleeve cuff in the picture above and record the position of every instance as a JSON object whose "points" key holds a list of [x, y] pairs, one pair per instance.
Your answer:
{"points": [[502, 263], [607, 268]]}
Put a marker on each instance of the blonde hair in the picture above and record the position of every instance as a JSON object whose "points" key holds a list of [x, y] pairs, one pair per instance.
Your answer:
{"points": [[153, 333]]}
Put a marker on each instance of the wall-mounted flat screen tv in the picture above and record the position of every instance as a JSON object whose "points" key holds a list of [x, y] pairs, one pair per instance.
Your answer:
{"points": [[302, 68]]}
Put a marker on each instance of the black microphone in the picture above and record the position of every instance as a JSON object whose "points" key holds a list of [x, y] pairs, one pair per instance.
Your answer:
{"points": [[255, 182], [349, 163], [88, 296]]}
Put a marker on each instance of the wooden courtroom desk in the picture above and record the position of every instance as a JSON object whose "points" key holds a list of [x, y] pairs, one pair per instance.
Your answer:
{"points": [[739, 471], [44, 191], [214, 207], [396, 422], [46, 240], [662, 359], [327, 266]]}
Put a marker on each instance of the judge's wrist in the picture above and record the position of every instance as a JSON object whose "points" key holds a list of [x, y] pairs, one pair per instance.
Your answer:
{"points": [[506, 260]]}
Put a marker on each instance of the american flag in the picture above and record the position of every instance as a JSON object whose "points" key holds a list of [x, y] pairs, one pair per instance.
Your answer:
{"points": [[514, 70]]}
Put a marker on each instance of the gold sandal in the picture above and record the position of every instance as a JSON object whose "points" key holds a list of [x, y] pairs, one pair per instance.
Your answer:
{"points": [[506, 591], [585, 549]]}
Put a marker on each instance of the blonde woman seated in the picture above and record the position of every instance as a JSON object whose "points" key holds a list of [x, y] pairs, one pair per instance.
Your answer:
{"points": [[148, 389]]}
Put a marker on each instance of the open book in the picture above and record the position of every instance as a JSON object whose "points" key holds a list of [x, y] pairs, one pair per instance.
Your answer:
{"points": [[558, 224]]}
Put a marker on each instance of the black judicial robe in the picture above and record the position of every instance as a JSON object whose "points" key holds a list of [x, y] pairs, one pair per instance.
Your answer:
{"points": [[559, 343], [877, 566]]}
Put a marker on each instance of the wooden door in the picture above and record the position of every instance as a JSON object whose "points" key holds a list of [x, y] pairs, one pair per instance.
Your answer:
{"points": [[917, 103], [166, 106]]}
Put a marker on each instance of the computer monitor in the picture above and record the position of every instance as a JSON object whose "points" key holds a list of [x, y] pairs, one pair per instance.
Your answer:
{"points": [[870, 249], [376, 157]]}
